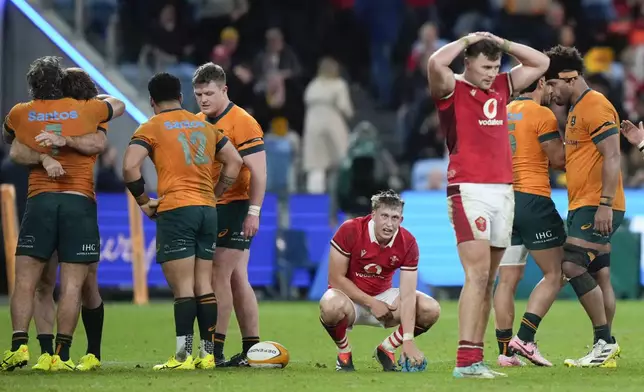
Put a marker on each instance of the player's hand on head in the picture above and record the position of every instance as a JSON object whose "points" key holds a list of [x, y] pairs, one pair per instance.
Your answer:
{"points": [[632, 133], [48, 139], [250, 226], [53, 167], [604, 220]]}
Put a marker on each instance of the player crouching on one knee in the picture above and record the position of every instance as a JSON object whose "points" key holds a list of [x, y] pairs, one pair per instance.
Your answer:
{"points": [[365, 254]]}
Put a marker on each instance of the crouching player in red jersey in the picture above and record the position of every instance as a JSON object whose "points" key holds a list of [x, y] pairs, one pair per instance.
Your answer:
{"points": [[365, 254]]}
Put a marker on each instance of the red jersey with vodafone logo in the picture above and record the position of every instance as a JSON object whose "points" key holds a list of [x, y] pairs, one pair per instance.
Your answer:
{"points": [[372, 266], [474, 122]]}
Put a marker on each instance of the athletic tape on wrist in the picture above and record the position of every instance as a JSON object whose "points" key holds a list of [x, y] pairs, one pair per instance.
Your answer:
{"points": [[254, 210]]}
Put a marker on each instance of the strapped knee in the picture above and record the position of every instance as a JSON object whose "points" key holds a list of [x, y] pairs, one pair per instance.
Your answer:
{"points": [[582, 284], [579, 255], [601, 261]]}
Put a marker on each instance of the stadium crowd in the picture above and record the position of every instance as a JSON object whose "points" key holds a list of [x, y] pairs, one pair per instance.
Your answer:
{"points": [[292, 63]]}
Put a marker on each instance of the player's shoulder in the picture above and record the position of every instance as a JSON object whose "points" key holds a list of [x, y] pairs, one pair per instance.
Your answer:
{"points": [[241, 116], [21, 107], [544, 112], [407, 238], [594, 98], [355, 223], [201, 116]]}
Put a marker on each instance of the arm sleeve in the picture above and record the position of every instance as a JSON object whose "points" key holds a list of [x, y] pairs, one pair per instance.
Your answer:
{"points": [[144, 137], [603, 122], [345, 238], [251, 138], [548, 128], [411, 258], [101, 110]]}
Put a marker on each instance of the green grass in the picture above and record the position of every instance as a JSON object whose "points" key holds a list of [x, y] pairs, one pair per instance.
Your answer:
{"points": [[137, 337]]}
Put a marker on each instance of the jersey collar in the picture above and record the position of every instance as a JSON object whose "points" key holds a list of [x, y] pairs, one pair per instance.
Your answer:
{"points": [[213, 120], [372, 234]]}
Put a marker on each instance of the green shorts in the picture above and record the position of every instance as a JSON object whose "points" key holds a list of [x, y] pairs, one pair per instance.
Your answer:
{"points": [[185, 232], [537, 224], [230, 220], [581, 222], [64, 222]]}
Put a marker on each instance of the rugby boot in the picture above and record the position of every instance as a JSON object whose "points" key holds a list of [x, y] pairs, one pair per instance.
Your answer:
{"points": [[88, 362], [15, 359], [386, 359], [344, 363]]}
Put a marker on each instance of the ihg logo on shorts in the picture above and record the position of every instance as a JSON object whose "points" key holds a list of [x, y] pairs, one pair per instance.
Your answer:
{"points": [[88, 249], [544, 236]]}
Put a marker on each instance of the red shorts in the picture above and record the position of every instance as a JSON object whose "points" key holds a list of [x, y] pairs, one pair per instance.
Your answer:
{"points": [[482, 212]]}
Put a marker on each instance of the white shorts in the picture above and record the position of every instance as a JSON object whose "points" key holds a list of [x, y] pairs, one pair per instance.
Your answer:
{"points": [[515, 255], [364, 316], [482, 212]]}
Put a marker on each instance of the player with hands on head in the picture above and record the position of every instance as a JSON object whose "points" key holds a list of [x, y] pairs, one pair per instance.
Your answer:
{"points": [[365, 253], [472, 114]]}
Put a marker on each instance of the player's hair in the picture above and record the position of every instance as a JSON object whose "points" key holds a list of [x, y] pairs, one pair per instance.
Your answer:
{"points": [[387, 198], [564, 59], [164, 87], [45, 78], [209, 72], [485, 47], [79, 85]]}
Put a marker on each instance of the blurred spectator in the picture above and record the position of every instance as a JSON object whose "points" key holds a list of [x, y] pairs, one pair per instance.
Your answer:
{"points": [[107, 180], [283, 154], [276, 57], [239, 77], [168, 40], [212, 17], [328, 107]]}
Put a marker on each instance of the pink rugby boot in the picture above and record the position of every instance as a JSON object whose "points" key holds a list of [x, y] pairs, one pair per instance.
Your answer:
{"points": [[528, 350]]}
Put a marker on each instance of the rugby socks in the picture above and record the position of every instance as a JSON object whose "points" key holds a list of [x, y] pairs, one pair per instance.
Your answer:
{"points": [[395, 340], [46, 344], [529, 325], [602, 332], [503, 337], [93, 323], [218, 348], [207, 320], [338, 333], [185, 313], [18, 339], [468, 353], [248, 342], [63, 344]]}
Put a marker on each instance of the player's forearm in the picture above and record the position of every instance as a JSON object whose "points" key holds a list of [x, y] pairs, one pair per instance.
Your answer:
{"points": [[23, 155], [610, 175], [526, 55], [90, 144], [444, 56], [227, 178], [257, 188], [352, 291]]}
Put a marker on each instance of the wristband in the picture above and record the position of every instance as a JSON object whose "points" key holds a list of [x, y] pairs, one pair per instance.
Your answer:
{"points": [[506, 45], [408, 336], [465, 41], [606, 201], [137, 187], [254, 210], [641, 146]]}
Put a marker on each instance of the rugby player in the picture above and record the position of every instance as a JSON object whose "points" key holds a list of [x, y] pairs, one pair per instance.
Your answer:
{"points": [[365, 254], [183, 149], [634, 134], [60, 215], [479, 191], [596, 202], [237, 211], [78, 85], [537, 228]]}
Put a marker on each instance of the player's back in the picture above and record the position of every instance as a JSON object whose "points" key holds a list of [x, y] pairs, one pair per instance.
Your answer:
{"points": [[182, 148], [529, 125], [66, 117], [474, 123], [590, 120], [246, 135]]}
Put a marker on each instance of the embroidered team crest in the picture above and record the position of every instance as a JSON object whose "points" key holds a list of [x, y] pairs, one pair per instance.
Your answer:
{"points": [[362, 253], [393, 260], [473, 92], [481, 223]]}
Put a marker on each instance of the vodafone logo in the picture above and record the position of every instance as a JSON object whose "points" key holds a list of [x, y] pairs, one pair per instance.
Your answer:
{"points": [[374, 269], [490, 109]]}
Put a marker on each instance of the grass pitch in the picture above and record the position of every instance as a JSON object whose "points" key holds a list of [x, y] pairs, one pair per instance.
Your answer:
{"points": [[137, 337]]}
